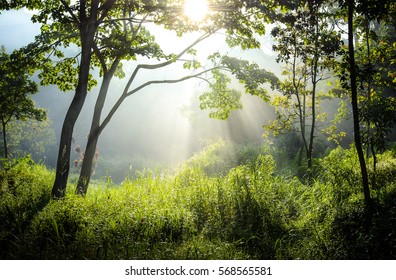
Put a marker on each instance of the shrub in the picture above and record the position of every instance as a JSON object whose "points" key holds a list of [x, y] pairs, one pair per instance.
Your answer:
{"points": [[219, 157]]}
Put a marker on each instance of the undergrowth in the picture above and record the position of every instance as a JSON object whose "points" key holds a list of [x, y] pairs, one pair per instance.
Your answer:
{"points": [[207, 209]]}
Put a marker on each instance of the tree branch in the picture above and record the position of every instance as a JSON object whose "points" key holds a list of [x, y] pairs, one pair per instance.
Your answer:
{"points": [[106, 7], [142, 86], [100, 57], [163, 64], [69, 10]]}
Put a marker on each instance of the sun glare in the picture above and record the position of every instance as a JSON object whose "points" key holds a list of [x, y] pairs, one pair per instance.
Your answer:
{"points": [[196, 10]]}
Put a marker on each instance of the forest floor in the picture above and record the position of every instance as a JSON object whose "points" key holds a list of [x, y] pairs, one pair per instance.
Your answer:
{"points": [[203, 210]]}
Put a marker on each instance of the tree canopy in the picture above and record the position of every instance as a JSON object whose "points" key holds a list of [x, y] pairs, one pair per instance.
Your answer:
{"points": [[16, 89]]}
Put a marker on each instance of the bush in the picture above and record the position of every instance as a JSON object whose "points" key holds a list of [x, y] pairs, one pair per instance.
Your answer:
{"points": [[219, 157]]}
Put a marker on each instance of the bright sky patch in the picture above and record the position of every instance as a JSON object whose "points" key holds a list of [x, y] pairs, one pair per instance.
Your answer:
{"points": [[196, 10]]}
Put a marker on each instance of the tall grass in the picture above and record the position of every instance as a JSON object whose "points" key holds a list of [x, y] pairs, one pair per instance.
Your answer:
{"points": [[25, 189], [202, 211]]}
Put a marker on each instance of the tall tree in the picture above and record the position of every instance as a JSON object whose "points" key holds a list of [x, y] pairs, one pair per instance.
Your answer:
{"points": [[374, 49], [307, 44], [63, 24], [354, 102], [16, 89], [371, 10]]}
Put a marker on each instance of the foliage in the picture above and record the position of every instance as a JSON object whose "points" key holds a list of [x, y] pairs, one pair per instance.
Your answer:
{"points": [[15, 92], [307, 43], [30, 137], [218, 157], [340, 168], [221, 99], [380, 115], [249, 213]]}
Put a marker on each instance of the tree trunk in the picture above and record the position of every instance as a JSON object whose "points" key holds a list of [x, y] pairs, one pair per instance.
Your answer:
{"points": [[3, 123], [314, 71], [86, 168], [311, 138], [87, 34], [355, 108]]}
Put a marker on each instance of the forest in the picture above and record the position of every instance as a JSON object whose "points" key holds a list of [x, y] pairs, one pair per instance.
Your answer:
{"points": [[198, 129]]}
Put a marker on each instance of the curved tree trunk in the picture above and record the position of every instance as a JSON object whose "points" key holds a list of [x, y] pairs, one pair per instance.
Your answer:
{"points": [[90, 151], [87, 34]]}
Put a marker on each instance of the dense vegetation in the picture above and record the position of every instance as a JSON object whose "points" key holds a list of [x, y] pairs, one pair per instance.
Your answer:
{"points": [[217, 205]]}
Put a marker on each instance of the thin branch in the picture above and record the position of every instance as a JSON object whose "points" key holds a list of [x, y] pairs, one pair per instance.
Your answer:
{"points": [[142, 86], [140, 25], [100, 57], [170, 81], [75, 19], [163, 64], [106, 7], [130, 19]]}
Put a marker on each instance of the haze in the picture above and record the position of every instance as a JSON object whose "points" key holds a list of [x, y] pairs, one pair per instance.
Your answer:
{"points": [[161, 124]]}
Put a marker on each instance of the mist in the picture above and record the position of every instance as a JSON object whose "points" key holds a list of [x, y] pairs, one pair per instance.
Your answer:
{"points": [[161, 125]]}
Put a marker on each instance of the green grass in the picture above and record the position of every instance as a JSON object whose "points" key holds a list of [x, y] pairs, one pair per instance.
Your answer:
{"points": [[202, 211]]}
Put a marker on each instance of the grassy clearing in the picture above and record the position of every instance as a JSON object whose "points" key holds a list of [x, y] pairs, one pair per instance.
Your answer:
{"points": [[203, 212]]}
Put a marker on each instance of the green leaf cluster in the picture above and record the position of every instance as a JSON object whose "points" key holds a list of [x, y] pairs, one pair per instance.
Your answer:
{"points": [[251, 76], [15, 91], [221, 100]]}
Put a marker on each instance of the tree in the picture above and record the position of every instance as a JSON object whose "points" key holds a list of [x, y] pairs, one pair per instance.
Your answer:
{"points": [[64, 24], [15, 92], [307, 44], [83, 24], [372, 10], [354, 102], [31, 137], [374, 49]]}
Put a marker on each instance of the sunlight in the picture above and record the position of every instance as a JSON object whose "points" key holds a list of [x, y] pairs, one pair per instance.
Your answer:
{"points": [[196, 10]]}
